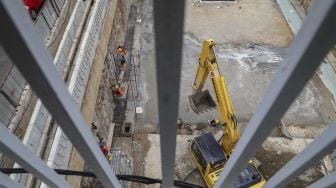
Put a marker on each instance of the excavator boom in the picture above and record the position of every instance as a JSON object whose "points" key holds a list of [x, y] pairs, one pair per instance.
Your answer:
{"points": [[201, 100]]}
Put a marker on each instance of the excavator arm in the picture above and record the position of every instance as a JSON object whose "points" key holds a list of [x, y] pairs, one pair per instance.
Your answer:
{"points": [[202, 101]]}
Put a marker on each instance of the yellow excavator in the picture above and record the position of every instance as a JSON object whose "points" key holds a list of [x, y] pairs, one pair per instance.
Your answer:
{"points": [[209, 154]]}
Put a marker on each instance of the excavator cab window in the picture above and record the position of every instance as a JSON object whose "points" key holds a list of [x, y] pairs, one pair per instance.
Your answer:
{"points": [[207, 151]]}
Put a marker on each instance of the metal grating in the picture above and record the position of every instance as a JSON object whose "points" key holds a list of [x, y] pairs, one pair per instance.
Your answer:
{"points": [[309, 48]]}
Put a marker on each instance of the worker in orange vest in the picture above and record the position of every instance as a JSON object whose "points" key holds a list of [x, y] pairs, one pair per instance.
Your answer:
{"points": [[215, 123], [117, 90]]}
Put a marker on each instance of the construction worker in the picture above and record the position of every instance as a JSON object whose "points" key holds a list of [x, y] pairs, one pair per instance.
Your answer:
{"points": [[123, 64], [117, 90], [103, 148], [122, 51], [94, 128], [215, 123]]}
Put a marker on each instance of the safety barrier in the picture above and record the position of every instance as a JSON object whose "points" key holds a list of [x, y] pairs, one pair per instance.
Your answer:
{"points": [[313, 41]]}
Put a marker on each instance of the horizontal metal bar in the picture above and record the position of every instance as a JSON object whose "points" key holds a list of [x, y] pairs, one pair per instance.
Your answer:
{"points": [[27, 51], [13, 147], [328, 181], [168, 26], [6, 182], [308, 49], [319, 148]]}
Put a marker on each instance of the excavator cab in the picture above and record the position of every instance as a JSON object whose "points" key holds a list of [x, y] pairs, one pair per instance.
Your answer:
{"points": [[211, 159], [201, 101]]}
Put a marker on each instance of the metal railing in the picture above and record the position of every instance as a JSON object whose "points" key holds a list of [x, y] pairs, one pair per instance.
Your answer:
{"points": [[26, 49]]}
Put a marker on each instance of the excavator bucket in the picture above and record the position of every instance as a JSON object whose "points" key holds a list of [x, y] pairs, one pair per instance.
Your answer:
{"points": [[201, 101]]}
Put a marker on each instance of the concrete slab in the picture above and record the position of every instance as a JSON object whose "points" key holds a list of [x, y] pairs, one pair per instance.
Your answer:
{"points": [[258, 21], [184, 165], [276, 152]]}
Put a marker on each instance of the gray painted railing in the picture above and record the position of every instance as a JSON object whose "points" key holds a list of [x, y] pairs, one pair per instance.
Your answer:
{"points": [[40, 119], [308, 49]]}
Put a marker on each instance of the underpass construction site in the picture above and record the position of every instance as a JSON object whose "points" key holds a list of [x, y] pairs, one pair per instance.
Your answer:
{"points": [[105, 52]]}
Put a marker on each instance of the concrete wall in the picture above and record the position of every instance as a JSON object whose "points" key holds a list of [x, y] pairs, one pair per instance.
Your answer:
{"points": [[104, 106], [79, 79], [98, 98]]}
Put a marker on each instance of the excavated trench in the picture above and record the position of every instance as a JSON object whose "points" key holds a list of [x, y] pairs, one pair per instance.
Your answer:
{"points": [[248, 69], [121, 102]]}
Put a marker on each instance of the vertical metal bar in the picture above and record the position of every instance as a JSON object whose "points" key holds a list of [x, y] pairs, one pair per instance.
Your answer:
{"points": [[168, 27], [325, 182], [6, 182], [13, 147], [308, 157], [308, 49], [26, 49]]}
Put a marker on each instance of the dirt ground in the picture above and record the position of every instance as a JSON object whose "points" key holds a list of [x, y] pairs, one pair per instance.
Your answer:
{"points": [[272, 161], [141, 146], [277, 151], [274, 154]]}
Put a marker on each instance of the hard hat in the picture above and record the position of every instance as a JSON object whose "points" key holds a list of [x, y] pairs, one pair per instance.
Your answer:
{"points": [[216, 121], [104, 149], [109, 157], [117, 87]]}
